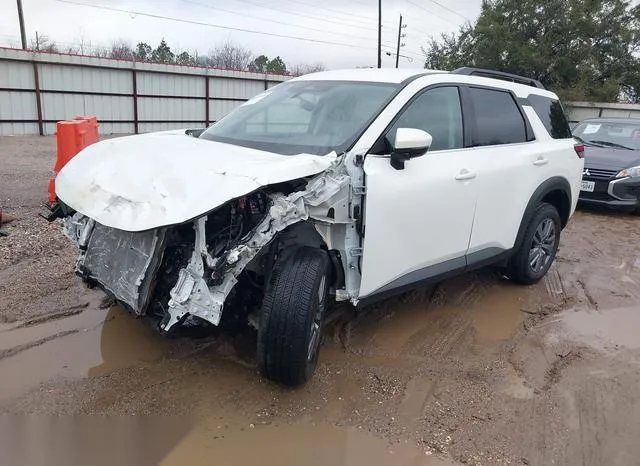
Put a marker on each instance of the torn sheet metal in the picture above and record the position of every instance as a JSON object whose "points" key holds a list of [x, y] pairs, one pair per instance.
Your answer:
{"points": [[191, 296], [147, 181]]}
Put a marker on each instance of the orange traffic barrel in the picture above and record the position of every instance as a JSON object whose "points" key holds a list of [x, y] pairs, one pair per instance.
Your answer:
{"points": [[71, 137]]}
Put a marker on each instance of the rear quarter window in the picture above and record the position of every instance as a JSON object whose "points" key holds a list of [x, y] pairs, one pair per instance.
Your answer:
{"points": [[552, 115]]}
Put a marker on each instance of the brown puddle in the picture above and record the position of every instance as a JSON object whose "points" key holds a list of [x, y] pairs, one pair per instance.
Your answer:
{"points": [[83, 345], [604, 329], [497, 315], [37, 440], [294, 445], [492, 316]]}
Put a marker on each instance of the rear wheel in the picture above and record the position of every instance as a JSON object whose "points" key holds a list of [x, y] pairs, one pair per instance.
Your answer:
{"points": [[539, 246], [291, 319]]}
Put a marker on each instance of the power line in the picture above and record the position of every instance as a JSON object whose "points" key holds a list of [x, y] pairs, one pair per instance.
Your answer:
{"points": [[212, 25], [436, 2], [344, 13], [430, 12], [303, 15], [272, 20], [419, 31]]}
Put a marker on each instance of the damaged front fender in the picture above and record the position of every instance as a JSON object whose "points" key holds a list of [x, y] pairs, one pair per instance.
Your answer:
{"points": [[192, 296]]}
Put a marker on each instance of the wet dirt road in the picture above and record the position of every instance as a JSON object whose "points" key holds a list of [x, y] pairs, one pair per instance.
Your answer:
{"points": [[472, 371]]}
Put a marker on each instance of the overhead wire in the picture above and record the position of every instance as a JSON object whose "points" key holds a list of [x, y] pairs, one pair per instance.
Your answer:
{"points": [[246, 15], [341, 12], [451, 10], [213, 25], [337, 21], [411, 2]]}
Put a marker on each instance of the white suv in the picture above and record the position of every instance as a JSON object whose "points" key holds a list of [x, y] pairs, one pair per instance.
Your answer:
{"points": [[335, 186]]}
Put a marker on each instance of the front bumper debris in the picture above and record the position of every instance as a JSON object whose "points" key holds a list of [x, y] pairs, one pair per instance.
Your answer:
{"points": [[122, 263]]}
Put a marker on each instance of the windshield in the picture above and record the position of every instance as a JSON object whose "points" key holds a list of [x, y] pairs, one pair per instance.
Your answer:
{"points": [[622, 135], [314, 117]]}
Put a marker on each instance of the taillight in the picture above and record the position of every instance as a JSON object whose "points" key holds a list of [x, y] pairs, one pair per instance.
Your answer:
{"points": [[579, 148]]}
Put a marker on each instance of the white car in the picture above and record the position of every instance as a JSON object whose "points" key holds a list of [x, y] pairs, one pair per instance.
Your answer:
{"points": [[334, 186]]}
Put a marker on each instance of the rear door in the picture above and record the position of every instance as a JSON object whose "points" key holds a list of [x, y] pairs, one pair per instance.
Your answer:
{"points": [[513, 155]]}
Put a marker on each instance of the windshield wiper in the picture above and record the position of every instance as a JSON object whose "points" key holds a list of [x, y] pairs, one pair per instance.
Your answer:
{"points": [[588, 143], [612, 144]]}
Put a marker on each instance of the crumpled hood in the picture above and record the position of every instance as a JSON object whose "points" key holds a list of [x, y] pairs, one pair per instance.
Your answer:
{"points": [[140, 182]]}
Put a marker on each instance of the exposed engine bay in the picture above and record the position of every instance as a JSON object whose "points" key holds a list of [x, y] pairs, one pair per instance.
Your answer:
{"points": [[222, 260]]}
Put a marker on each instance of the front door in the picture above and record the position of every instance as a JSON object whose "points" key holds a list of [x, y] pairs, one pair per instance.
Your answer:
{"points": [[418, 220]]}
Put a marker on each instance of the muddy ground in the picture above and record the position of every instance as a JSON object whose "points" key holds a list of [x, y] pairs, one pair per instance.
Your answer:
{"points": [[472, 371]]}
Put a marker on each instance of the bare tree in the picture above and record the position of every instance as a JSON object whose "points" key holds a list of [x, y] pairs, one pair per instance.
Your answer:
{"points": [[100, 52], [84, 48], [43, 43], [120, 49], [229, 56], [300, 69]]}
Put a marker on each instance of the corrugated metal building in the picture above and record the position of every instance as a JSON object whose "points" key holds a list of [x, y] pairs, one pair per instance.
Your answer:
{"points": [[39, 89]]}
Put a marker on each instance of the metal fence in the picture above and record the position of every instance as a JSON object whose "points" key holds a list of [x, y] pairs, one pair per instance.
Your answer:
{"points": [[578, 111], [39, 89]]}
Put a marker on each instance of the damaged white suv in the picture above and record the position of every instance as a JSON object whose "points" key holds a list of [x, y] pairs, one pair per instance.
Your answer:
{"points": [[335, 186]]}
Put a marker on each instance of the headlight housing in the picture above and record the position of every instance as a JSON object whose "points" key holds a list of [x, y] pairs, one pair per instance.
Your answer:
{"points": [[632, 172]]}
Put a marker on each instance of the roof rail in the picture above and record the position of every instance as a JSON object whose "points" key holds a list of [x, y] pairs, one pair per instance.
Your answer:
{"points": [[469, 71]]}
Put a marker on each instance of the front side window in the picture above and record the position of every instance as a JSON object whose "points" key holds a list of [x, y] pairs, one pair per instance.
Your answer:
{"points": [[314, 117], [497, 118], [438, 112]]}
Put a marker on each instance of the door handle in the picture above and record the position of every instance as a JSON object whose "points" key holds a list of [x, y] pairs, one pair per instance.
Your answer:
{"points": [[541, 161], [465, 175]]}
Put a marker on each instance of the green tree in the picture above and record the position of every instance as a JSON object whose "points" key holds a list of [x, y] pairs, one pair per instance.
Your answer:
{"points": [[276, 66], [259, 64], [143, 51], [185, 59], [581, 49], [163, 53]]}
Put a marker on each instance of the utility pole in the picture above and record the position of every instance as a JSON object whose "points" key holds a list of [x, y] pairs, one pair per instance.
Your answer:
{"points": [[23, 34], [37, 42], [399, 37], [379, 33]]}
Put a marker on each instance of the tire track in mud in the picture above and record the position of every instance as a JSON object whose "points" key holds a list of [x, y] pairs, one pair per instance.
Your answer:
{"points": [[553, 282], [7, 353]]}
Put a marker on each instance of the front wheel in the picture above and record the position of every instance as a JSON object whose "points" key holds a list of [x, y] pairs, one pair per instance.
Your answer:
{"points": [[538, 248], [291, 319]]}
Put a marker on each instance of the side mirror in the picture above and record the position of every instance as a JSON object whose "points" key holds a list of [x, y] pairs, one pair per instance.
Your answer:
{"points": [[410, 143]]}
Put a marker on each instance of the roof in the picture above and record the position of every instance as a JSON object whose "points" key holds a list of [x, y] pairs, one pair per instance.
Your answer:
{"points": [[399, 75], [381, 75]]}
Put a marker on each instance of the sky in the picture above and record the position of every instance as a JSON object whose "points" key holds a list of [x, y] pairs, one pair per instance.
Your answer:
{"points": [[338, 33]]}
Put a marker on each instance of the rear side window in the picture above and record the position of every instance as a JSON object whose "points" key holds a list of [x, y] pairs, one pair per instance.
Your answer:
{"points": [[498, 118], [552, 116]]}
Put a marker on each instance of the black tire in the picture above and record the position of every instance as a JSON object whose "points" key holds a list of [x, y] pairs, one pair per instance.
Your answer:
{"points": [[539, 246], [291, 318]]}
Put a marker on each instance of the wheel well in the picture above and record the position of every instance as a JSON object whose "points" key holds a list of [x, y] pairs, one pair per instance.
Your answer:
{"points": [[559, 199], [555, 191], [305, 234]]}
